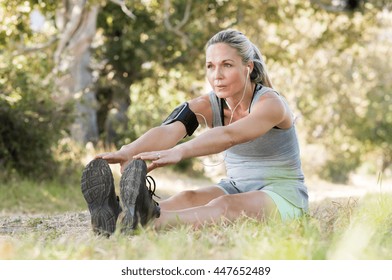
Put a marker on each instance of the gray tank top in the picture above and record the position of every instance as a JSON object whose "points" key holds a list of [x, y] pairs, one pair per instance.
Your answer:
{"points": [[269, 162]]}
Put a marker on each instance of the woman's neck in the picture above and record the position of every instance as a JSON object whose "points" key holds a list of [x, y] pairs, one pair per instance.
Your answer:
{"points": [[241, 101]]}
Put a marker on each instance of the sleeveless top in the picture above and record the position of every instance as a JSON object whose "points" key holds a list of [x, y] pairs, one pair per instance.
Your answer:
{"points": [[269, 162]]}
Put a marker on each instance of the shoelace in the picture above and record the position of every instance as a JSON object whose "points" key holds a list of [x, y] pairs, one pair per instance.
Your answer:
{"points": [[152, 193], [151, 186]]}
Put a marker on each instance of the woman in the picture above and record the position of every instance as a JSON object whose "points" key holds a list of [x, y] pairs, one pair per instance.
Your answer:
{"points": [[248, 119]]}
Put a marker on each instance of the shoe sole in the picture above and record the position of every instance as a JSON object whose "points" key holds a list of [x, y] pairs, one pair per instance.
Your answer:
{"points": [[98, 187], [130, 183]]}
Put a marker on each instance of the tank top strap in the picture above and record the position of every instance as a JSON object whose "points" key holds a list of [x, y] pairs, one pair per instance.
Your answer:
{"points": [[216, 107], [260, 91]]}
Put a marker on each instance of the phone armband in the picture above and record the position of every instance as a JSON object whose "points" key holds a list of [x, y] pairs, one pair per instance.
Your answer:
{"points": [[185, 115]]}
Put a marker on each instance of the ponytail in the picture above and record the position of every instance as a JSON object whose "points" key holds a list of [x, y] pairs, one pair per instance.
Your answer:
{"points": [[259, 74]]}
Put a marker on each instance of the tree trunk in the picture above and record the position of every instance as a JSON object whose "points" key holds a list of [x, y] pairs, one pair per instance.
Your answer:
{"points": [[76, 22]]}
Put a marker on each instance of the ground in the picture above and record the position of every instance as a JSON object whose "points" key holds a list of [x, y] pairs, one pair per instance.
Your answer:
{"points": [[78, 223]]}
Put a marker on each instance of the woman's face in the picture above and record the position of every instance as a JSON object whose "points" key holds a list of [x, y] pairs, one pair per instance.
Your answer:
{"points": [[225, 71]]}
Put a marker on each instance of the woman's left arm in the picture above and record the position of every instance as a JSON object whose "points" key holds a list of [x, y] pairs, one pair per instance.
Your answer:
{"points": [[269, 111]]}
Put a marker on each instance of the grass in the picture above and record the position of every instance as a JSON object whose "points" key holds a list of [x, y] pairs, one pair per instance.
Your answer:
{"points": [[356, 229], [26, 196]]}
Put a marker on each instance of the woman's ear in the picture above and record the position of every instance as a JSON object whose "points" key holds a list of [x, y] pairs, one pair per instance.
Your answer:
{"points": [[250, 67]]}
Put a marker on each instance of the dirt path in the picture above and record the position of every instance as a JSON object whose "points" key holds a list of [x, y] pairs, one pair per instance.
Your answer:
{"points": [[71, 223]]}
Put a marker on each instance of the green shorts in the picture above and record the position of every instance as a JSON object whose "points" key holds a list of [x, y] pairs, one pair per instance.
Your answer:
{"points": [[287, 210]]}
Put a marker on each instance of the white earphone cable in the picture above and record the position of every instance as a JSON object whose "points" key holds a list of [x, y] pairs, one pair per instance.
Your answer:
{"points": [[242, 98], [231, 118]]}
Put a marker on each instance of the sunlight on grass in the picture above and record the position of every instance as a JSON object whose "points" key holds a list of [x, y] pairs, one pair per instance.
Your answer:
{"points": [[344, 228], [368, 232], [40, 197], [245, 239]]}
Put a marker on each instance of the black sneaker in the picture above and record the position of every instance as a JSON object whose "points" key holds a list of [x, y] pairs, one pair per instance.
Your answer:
{"points": [[98, 191], [136, 197]]}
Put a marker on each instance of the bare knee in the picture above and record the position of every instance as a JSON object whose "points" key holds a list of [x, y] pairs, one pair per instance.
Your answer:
{"points": [[184, 199], [188, 196], [222, 204], [256, 205]]}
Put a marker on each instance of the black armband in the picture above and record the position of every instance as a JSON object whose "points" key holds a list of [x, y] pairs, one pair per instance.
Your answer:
{"points": [[185, 115]]}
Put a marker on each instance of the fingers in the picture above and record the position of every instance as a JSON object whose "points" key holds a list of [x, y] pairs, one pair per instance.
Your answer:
{"points": [[113, 158], [122, 166], [110, 157], [100, 155], [156, 158], [151, 167], [153, 156]]}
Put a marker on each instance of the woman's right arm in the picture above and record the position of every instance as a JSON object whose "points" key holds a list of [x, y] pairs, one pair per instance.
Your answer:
{"points": [[161, 137], [155, 139]]}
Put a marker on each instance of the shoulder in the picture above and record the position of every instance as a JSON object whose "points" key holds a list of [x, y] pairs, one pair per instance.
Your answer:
{"points": [[270, 104], [200, 103], [201, 106], [266, 96], [261, 91]]}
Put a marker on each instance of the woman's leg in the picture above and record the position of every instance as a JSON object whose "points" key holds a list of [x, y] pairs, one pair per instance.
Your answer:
{"points": [[254, 204], [191, 198]]}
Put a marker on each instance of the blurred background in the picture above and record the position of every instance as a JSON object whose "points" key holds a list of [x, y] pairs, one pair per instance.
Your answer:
{"points": [[78, 77]]}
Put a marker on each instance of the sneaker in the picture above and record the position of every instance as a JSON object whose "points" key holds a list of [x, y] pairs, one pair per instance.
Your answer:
{"points": [[98, 191], [136, 197]]}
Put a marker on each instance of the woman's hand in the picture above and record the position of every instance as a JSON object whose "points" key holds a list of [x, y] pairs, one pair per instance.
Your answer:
{"points": [[115, 157], [160, 158]]}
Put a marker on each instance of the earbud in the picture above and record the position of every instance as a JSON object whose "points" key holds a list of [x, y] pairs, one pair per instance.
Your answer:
{"points": [[248, 70]]}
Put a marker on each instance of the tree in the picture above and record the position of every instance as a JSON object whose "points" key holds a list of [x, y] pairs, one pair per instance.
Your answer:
{"points": [[76, 28], [126, 64], [31, 121], [345, 97], [154, 61]]}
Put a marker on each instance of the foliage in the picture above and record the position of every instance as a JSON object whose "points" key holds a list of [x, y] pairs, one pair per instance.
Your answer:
{"points": [[25, 150], [306, 51], [321, 62], [329, 63], [32, 122], [27, 126], [346, 99], [148, 67]]}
